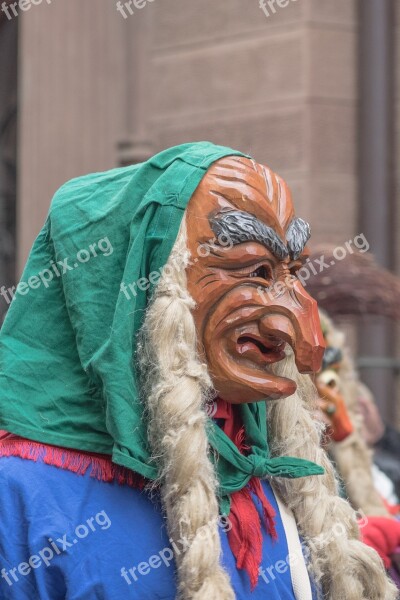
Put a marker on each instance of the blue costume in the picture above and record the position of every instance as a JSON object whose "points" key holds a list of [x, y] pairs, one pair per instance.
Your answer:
{"points": [[93, 540]]}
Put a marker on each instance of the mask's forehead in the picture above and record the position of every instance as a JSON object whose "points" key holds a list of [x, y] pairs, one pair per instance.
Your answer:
{"points": [[254, 188]]}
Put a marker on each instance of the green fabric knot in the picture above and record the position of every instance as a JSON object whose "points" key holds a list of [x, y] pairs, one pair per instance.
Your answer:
{"points": [[260, 465], [235, 470], [283, 466]]}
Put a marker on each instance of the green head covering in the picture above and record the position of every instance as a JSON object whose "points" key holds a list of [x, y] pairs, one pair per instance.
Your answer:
{"points": [[67, 374]]}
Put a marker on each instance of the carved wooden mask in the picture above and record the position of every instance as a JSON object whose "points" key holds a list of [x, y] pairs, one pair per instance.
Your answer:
{"points": [[245, 246]]}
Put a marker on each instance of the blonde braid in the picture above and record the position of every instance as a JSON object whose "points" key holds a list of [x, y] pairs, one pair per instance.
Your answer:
{"points": [[177, 386]]}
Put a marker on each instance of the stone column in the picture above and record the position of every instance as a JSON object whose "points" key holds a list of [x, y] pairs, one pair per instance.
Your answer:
{"points": [[134, 145], [8, 157]]}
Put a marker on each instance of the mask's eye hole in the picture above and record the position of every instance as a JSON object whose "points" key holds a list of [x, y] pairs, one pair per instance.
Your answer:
{"points": [[262, 272], [295, 266], [330, 379]]}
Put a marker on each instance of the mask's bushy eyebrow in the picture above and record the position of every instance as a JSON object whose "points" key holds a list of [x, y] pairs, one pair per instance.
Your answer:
{"points": [[238, 226], [297, 235]]}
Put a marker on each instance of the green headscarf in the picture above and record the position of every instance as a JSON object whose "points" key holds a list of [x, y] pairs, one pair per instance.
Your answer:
{"points": [[66, 347]]}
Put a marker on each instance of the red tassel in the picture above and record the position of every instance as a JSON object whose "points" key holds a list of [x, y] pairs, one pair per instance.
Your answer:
{"points": [[268, 511], [100, 465], [245, 537], [240, 441]]}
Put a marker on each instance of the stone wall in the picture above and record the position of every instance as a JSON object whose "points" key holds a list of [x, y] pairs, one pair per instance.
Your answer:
{"points": [[282, 88]]}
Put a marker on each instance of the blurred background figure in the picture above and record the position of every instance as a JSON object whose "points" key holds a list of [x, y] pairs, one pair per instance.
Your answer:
{"points": [[384, 440], [350, 437], [309, 87], [353, 428], [359, 289]]}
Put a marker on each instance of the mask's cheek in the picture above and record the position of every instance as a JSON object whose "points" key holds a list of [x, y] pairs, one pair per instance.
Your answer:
{"points": [[208, 288]]}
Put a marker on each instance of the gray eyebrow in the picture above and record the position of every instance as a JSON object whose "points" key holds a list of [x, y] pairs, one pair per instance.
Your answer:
{"points": [[238, 226], [298, 233]]}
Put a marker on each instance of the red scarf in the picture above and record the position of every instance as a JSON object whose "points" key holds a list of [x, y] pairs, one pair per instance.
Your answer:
{"points": [[245, 536]]}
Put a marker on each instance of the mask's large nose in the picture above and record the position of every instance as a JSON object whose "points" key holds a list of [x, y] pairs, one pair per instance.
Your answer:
{"points": [[293, 317]]}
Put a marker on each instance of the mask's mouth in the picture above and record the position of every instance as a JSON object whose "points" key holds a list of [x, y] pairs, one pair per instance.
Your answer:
{"points": [[259, 349], [241, 363]]}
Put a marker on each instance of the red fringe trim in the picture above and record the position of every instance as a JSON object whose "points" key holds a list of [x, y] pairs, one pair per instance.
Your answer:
{"points": [[100, 465]]}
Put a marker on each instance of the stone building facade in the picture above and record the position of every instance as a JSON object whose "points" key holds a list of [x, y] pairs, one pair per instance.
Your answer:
{"points": [[98, 89]]}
